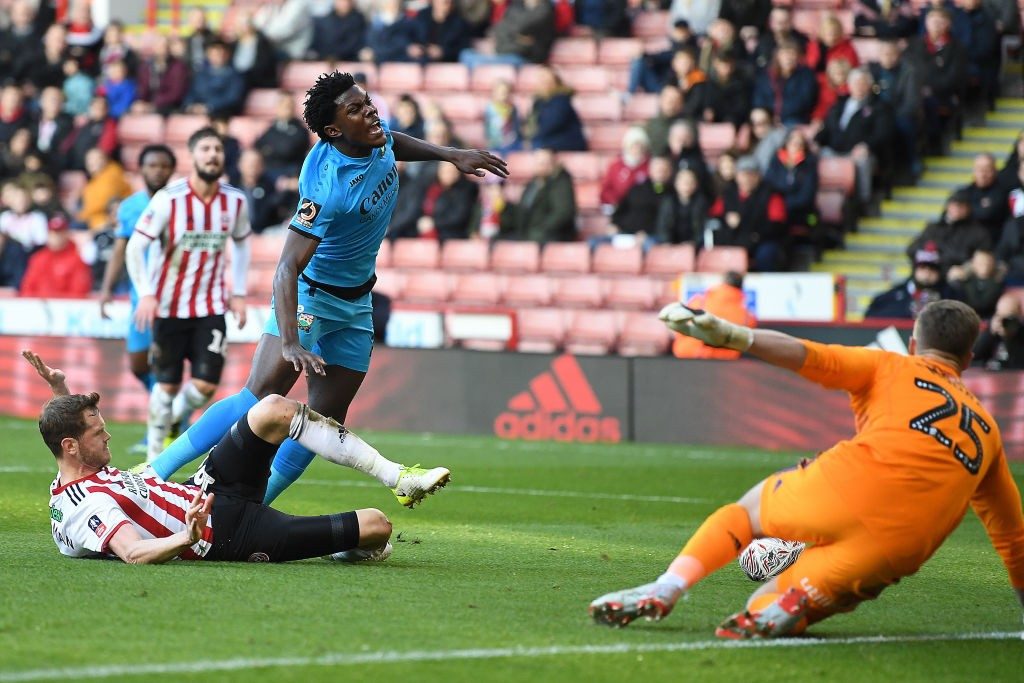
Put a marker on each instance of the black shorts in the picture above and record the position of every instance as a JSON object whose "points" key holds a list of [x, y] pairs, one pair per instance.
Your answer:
{"points": [[244, 529], [201, 341]]}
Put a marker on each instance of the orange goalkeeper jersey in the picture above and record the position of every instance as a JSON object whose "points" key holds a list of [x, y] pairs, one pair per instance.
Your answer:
{"points": [[925, 448]]}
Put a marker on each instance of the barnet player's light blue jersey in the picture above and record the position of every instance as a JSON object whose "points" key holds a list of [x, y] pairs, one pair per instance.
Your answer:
{"points": [[127, 216], [347, 204]]}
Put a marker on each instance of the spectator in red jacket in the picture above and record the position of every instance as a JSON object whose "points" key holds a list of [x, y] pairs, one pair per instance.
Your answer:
{"points": [[830, 45], [57, 271], [831, 86], [627, 169]]}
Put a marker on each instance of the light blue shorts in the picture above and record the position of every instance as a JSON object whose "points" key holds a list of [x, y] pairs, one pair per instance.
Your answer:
{"points": [[339, 331], [137, 341]]}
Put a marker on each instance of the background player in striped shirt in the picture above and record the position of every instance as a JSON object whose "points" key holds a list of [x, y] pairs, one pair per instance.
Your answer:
{"points": [[322, 321], [98, 510], [156, 164], [873, 508], [183, 291]]}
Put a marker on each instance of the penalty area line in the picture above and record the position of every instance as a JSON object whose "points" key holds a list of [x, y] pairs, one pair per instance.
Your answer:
{"points": [[394, 657]]}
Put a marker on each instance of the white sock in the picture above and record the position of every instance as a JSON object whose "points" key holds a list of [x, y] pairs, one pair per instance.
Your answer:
{"points": [[159, 424], [673, 584], [187, 400], [333, 442]]}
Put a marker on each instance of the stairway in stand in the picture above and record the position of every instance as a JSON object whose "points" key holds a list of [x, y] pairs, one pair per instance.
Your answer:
{"points": [[874, 257]]}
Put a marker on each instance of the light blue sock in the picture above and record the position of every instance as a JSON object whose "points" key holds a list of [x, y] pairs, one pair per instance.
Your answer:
{"points": [[146, 379], [289, 464], [204, 434]]}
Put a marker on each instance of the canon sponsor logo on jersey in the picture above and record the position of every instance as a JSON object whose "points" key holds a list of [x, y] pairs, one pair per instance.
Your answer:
{"points": [[560, 405], [379, 192]]}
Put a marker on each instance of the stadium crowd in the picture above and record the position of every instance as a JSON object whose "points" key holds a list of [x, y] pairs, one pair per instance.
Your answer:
{"points": [[781, 103]]}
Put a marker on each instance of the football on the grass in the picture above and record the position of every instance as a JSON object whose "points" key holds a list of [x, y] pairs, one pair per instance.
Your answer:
{"points": [[768, 557]]}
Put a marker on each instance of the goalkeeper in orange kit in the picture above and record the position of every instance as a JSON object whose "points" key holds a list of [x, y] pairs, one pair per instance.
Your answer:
{"points": [[872, 509]]}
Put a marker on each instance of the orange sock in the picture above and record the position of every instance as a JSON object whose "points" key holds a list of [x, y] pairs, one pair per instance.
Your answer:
{"points": [[717, 542]]}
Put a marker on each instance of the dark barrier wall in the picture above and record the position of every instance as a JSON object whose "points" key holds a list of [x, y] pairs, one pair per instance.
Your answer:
{"points": [[530, 397]]}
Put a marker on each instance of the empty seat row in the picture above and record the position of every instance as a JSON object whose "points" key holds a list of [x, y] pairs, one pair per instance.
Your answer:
{"points": [[664, 260], [489, 290], [547, 330]]}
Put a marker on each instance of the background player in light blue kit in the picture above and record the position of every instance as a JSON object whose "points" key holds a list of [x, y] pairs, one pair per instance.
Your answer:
{"points": [[322, 322]]}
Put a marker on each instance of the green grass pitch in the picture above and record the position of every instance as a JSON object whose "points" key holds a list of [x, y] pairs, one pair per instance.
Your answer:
{"points": [[489, 581]]}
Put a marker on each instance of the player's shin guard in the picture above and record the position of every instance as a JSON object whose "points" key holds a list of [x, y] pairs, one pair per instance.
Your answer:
{"points": [[188, 400], [159, 420], [205, 433], [717, 542], [291, 461], [331, 441]]}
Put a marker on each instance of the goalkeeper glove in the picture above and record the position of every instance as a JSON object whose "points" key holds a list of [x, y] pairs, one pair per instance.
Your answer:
{"points": [[706, 327]]}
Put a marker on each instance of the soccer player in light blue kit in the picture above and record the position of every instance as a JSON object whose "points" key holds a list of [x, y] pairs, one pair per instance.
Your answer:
{"points": [[322, 322], [156, 164]]}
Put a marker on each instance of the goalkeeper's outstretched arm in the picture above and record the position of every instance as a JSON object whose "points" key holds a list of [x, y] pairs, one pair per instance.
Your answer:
{"points": [[773, 347]]}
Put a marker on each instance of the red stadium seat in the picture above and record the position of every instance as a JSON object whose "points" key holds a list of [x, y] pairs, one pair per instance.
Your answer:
{"points": [[830, 206], [181, 126], [867, 49], [266, 248], [592, 332], [540, 330], [520, 166], [384, 254], [461, 106], [465, 255], [836, 173], [586, 79], [641, 106], [644, 335], [592, 224], [452, 77], [262, 102], [400, 77], [140, 128], [247, 129], [606, 137], [471, 133], [612, 260], [522, 291], [588, 195], [515, 257], [70, 186], [634, 293], [299, 76], [427, 287], [260, 279], [722, 259], [583, 165], [597, 107], [486, 75], [130, 155], [528, 77], [573, 51], [414, 252], [477, 289], [390, 282], [651, 24], [619, 51], [670, 259], [565, 257], [716, 138], [580, 291]]}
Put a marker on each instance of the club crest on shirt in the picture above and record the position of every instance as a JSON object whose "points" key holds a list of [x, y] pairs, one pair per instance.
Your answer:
{"points": [[305, 321], [97, 525], [307, 213]]}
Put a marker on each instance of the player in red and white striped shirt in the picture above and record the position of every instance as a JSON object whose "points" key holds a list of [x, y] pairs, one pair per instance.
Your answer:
{"points": [[98, 510], [183, 294]]}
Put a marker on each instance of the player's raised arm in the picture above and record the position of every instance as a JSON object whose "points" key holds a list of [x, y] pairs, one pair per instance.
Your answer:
{"points": [[52, 376], [470, 161]]}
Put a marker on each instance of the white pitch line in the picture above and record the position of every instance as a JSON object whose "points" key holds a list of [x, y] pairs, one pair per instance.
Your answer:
{"points": [[524, 492], [395, 657]]}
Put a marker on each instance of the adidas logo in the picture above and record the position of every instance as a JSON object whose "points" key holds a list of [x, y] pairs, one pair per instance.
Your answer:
{"points": [[559, 405]]}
